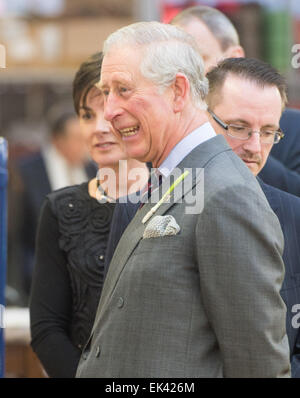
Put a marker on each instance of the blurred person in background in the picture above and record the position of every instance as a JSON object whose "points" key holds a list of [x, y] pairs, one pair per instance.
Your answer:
{"points": [[62, 161], [72, 236], [217, 39]]}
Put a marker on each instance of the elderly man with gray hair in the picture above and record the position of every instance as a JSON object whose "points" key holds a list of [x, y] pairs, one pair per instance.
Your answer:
{"points": [[188, 293]]}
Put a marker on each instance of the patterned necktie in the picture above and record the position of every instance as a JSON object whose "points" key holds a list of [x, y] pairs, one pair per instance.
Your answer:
{"points": [[153, 183]]}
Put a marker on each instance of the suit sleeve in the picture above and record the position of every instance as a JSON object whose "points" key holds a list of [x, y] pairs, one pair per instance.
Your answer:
{"points": [[295, 361], [278, 175], [289, 217], [241, 273], [51, 302]]}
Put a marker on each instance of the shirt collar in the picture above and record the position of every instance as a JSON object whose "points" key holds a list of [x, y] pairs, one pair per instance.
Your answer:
{"points": [[184, 147]]}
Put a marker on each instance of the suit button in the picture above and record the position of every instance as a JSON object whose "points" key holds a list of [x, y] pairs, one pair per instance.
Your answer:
{"points": [[120, 302], [101, 257], [98, 350]]}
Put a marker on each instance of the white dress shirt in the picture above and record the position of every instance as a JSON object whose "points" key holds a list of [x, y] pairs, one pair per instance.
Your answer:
{"points": [[60, 173]]}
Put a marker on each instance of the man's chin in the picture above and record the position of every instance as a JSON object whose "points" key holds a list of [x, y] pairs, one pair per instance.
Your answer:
{"points": [[134, 153], [253, 167]]}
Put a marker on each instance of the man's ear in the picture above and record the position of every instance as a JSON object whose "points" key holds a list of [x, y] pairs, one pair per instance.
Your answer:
{"points": [[235, 52], [181, 89]]}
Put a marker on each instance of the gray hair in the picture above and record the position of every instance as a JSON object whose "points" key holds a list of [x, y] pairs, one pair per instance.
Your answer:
{"points": [[219, 25], [167, 51]]}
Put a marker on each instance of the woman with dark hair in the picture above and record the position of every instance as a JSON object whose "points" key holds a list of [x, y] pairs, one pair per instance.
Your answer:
{"points": [[72, 236]]}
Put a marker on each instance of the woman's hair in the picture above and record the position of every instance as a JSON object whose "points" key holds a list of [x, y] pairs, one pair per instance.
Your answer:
{"points": [[167, 50], [85, 79]]}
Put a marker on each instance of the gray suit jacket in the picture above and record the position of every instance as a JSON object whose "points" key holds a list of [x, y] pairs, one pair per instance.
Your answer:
{"points": [[204, 302]]}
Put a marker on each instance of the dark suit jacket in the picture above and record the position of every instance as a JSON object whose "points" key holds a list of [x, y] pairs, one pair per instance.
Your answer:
{"points": [[123, 214], [287, 209], [282, 169]]}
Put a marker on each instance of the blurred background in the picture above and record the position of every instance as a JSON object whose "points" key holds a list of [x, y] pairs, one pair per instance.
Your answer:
{"points": [[45, 42]]}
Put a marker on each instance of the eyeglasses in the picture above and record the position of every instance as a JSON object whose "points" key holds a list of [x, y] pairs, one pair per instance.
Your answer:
{"points": [[244, 133]]}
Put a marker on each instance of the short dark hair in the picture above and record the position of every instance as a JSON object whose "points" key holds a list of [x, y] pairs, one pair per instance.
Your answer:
{"points": [[251, 69], [220, 26], [85, 79]]}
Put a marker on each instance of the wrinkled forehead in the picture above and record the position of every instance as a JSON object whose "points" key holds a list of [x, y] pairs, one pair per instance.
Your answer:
{"points": [[245, 100], [123, 61], [245, 91]]}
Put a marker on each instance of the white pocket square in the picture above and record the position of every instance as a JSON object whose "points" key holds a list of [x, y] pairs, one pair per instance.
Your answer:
{"points": [[161, 226]]}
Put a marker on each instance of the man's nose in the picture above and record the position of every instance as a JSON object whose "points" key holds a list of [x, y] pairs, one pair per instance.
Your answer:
{"points": [[111, 107], [102, 125], [253, 144]]}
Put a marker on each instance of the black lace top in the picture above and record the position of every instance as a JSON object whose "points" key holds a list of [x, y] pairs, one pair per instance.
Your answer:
{"points": [[68, 276]]}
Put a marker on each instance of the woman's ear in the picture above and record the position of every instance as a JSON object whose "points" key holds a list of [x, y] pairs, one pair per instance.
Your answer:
{"points": [[181, 89]]}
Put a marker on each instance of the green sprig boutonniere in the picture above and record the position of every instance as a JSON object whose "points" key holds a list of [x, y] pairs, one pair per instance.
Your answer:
{"points": [[165, 197]]}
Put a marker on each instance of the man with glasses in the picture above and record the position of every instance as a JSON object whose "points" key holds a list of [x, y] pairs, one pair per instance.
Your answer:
{"points": [[245, 100], [218, 39], [245, 133]]}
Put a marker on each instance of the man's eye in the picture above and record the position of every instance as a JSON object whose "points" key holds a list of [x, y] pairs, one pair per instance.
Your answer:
{"points": [[123, 89], [238, 129], [105, 92], [268, 133]]}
